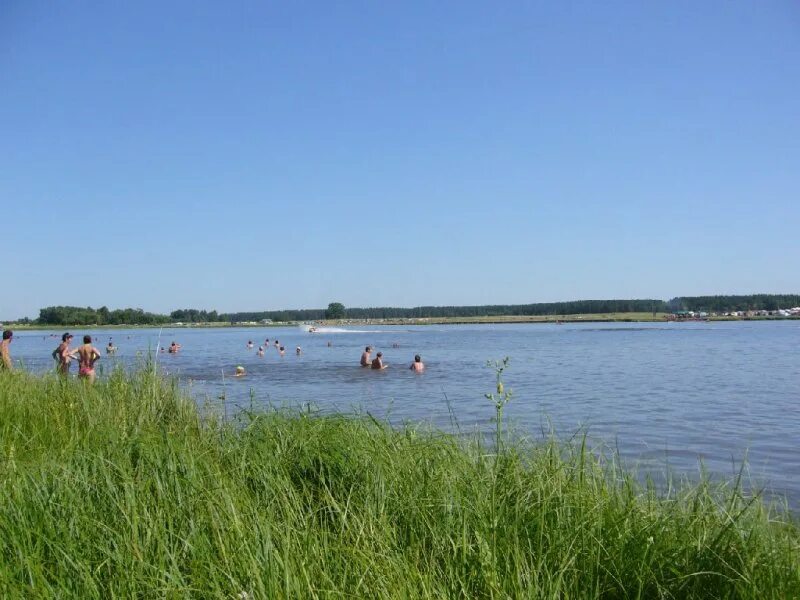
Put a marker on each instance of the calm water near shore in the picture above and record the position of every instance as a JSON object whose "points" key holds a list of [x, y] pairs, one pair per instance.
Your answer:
{"points": [[662, 393]]}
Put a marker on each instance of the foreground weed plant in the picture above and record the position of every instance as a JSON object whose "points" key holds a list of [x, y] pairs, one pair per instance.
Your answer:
{"points": [[500, 398], [126, 490]]}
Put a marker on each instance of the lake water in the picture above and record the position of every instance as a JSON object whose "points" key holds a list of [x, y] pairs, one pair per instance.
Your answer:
{"points": [[664, 394]]}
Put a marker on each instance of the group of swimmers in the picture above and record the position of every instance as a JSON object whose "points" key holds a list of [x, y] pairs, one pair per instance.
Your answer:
{"points": [[366, 358], [281, 350], [173, 348], [87, 355], [377, 363]]}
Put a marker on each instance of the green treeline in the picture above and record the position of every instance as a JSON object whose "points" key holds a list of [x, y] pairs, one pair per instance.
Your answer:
{"points": [[192, 315], [497, 310], [74, 315], [735, 303], [296, 314], [588, 307], [493, 310]]}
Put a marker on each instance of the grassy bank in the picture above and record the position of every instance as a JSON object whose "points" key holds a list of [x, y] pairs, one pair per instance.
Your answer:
{"points": [[122, 490]]}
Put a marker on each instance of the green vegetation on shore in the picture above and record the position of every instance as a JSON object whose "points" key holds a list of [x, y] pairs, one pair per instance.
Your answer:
{"points": [[125, 489]]}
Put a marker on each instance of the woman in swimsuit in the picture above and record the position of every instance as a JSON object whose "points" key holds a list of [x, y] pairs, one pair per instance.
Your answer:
{"points": [[87, 355]]}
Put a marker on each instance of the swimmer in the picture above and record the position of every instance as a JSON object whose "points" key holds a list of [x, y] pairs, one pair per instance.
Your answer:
{"points": [[277, 343], [62, 355], [330, 344], [111, 348], [249, 344], [174, 347], [378, 362], [282, 350], [87, 356], [239, 371], [260, 351], [395, 345], [417, 366], [365, 360], [298, 351]]}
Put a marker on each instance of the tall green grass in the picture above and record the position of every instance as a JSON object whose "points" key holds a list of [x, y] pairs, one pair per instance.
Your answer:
{"points": [[125, 490]]}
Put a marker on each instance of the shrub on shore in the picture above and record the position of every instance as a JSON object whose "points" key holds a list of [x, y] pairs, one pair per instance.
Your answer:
{"points": [[125, 490]]}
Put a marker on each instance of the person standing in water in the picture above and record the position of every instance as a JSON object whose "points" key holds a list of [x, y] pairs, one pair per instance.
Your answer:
{"points": [[417, 366], [378, 362], [365, 359], [62, 355], [87, 355], [5, 352]]}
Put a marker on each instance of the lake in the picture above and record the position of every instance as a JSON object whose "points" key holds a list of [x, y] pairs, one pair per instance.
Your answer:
{"points": [[666, 395]]}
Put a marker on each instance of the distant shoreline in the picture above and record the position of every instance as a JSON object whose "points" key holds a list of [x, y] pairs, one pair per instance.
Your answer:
{"points": [[485, 320]]}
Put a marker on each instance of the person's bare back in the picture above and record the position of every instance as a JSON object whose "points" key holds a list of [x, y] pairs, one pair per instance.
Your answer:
{"points": [[365, 357], [378, 362], [87, 355]]}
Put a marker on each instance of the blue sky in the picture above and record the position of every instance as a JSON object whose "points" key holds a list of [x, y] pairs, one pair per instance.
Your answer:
{"points": [[260, 156]]}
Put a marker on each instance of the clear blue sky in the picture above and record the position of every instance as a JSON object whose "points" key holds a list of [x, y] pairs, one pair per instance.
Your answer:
{"points": [[253, 156]]}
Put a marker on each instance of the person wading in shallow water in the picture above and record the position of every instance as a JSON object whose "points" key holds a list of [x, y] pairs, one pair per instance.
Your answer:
{"points": [[87, 355], [5, 353], [365, 360], [62, 355], [417, 366], [378, 362]]}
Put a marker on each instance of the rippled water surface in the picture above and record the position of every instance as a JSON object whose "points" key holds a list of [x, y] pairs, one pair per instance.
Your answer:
{"points": [[664, 394]]}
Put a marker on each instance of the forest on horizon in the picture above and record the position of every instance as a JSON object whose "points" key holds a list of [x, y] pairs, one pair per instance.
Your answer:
{"points": [[73, 315]]}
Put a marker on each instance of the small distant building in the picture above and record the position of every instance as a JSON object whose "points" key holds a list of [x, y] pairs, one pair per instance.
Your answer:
{"points": [[266, 321]]}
